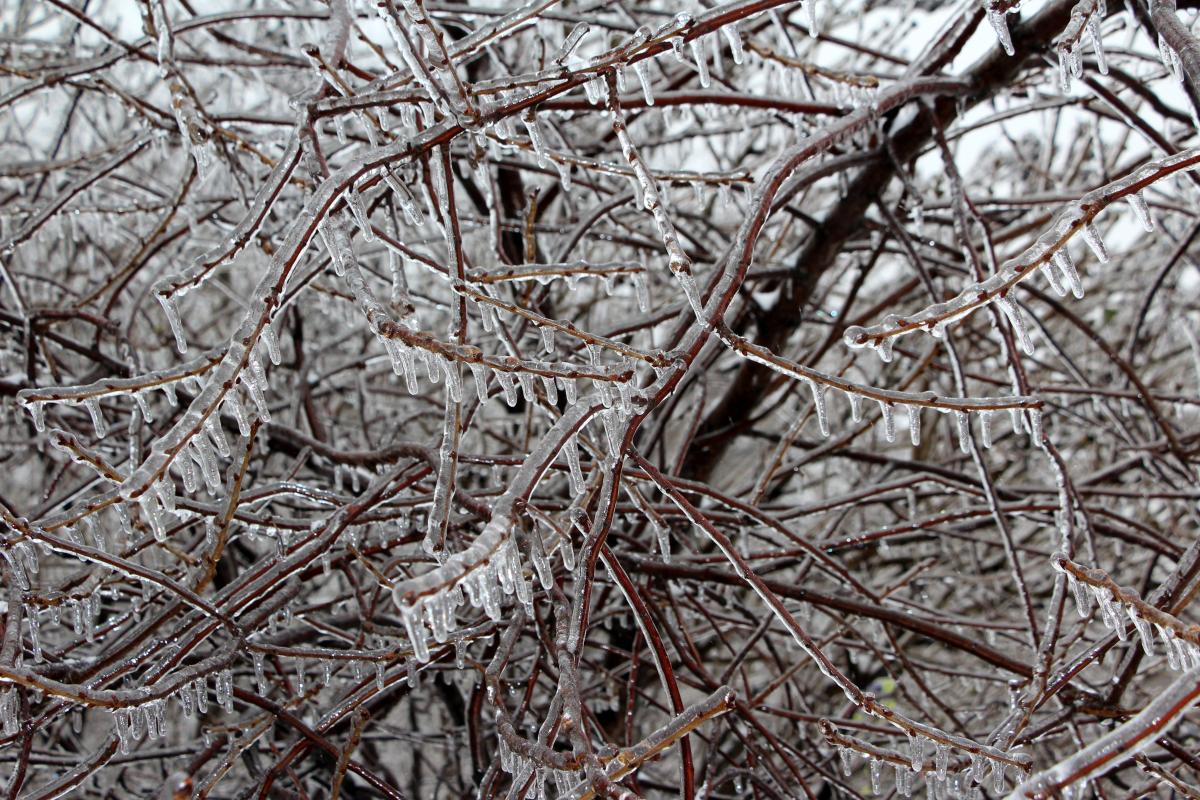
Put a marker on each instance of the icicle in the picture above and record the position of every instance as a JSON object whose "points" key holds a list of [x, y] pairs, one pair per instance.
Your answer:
{"points": [[1064, 72], [1062, 259], [641, 69], [572, 41], [416, 631], [855, 406], [1013, 313], [941, 760], [889, 420], [1049, 270], [916, 751], [200, 688], [453, 380], [964, 431], [260, 677], [359, 212], [528, 391], [846, 755], [1098, 43], [903, 774], [188, 701], [121, 718], [1095, 242], [663, 534], [37, 412], [1083, 601], [999, 22], [172, 315], [876, 764], [1168, 638], [93, 406], [985, 428], [885, 346], [535, 136], [1145, 634], [479, 377], [734, 38], [509, 384], [818, 393], [566, 551], [702, 61], [31, 619], [272, 344], [914, 425], [998, 777], [1035, 426], [1141, 210]]}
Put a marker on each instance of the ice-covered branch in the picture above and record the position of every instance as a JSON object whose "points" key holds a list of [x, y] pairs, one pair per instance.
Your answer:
{"points": [[1048, 253], [1156, 719]]}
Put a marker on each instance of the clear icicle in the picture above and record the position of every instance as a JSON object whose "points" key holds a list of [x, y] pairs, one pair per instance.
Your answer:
{"points": [[571, 451], [37, 411], [846, 756], [1013, 312], [1083, 599], [1145, 633], [1049, 270], [818, 394], [663, 535], [964, 431], [999, 22], [734, 38], [359, 212], [1095, 242], [855, 406], [535, 137], [1065, 264], [172, 315], [702, 61], [642, 70], [93, 406], [572, 41], [889, 420], [1098, 43], [914, 425], [272, 344], [1140, 210]]}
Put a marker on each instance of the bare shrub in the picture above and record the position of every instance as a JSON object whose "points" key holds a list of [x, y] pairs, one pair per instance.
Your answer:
{"points": [[598, 399]]}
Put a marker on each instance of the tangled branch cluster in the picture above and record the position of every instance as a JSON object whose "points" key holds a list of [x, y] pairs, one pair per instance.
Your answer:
{"points": [[414, 399]]}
